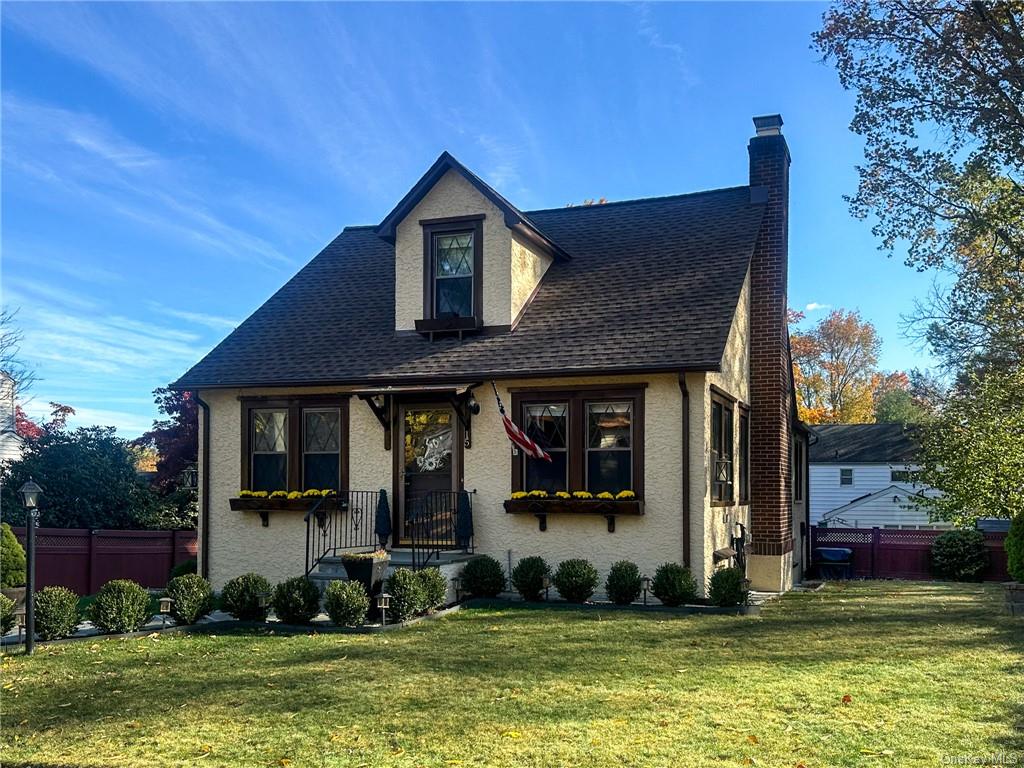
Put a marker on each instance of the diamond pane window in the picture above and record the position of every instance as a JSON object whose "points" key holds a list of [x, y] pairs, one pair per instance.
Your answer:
{"points": [[609, 447], [269, 450], [321, 443], [547, 424], [722, 466], [453, 275]]}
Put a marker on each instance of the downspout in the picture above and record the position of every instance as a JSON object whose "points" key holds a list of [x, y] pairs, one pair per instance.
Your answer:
{"points": [[686, 467], [204, 484]]}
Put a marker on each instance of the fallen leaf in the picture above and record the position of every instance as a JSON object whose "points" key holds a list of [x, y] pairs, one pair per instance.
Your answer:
{"points": [[512, 735], [847, 698], [753, 739]]}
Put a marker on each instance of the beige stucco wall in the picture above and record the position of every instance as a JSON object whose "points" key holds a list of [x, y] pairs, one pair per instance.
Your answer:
{"points": [[453, 196], [239, 543], [713, 527], [528, 267]]}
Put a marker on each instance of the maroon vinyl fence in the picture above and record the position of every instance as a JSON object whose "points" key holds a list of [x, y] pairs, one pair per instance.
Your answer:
{"points": [[886, 553], [85, 560]]}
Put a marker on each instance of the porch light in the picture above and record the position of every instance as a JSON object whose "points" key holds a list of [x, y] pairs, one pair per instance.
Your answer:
{"points": [[383, 603], [190, 477], [646, 582]]}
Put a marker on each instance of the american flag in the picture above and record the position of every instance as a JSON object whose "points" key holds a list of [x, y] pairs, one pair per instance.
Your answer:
{"points": [[516, 435]]}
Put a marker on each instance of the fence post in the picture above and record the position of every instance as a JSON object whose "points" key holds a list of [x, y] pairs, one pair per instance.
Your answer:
{"points": [[876, 540], [92, 562]]}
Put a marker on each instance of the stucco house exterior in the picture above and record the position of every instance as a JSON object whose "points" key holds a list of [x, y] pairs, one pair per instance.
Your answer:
{"points": [[11, 443], [863, 476], [643, 344]]}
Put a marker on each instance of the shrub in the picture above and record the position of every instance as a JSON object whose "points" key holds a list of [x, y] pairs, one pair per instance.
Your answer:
{"points": [[575, 580], [12, 559], [624, 583], [1015, 548], [673, 584], [346, 602], [434, 586], [192, 596], [57, 612], [184, 567], [6, 614], [296, 600], [528, 577], [483, 577], [406, 590], [960, 555], [241, 597], [727, 587], [121, 605]]}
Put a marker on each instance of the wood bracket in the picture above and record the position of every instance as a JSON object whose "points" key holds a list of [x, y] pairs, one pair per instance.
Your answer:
{"points": [[265, 517], [611, 523], [542, 518], [382, 411]]}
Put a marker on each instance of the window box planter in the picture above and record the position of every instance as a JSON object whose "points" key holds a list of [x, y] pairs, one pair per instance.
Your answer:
{"points": [[368, 569], [265, 506], [607, 508]]}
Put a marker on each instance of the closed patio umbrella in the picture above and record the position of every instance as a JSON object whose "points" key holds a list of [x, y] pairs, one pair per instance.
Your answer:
{"points": [[464, 521], [382, 522]]}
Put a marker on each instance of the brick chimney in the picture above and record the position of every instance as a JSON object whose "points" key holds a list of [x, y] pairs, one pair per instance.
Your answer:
{"points": [[771, 534]]}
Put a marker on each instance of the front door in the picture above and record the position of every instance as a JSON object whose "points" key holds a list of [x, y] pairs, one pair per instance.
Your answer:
{"points": [[428, 438]]}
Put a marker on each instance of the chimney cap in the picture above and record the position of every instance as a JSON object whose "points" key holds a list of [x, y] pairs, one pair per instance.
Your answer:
{"points": [[768, 125]]}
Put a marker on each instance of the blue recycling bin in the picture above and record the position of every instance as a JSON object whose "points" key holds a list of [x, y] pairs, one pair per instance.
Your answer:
{"points": [[835, 563]]}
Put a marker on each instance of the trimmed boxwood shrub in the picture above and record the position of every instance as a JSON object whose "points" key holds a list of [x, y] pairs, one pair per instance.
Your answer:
{"points": [[1014, 544], [192, 598], [673, 585], [296, 600], [184, 567], [121, 605], [241, 597], [435, 588], [56, 613], [727, 587], [406, 590], [483, 577], [575, 579], [528, 577], [6, 614], [624, 583], [960, 555], [12, 559], [346, 603]]}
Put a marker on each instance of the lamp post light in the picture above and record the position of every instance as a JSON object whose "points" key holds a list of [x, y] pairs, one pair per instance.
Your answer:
{"points": [[646, 581], [165, 608], [384, 602], [30, 498], [546, 583], [457, 588]]}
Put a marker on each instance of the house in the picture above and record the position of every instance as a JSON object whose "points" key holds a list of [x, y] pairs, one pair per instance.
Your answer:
{"points": [[862, 476], [11, 443], [643, 344]]}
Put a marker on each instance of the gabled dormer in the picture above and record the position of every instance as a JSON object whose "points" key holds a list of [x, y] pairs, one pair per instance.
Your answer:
{"points": [[465, 258]]}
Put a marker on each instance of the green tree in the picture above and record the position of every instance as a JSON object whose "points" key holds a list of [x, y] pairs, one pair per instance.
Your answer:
{"points": [[898, 406], [974, 452]]}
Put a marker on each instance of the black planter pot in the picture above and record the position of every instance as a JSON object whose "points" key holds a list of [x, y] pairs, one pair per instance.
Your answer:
{"points": [[367, 571]]}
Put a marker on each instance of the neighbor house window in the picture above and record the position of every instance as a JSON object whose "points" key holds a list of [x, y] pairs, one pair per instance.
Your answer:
{"points": [[269, 449], [321, 448], [594, 438], [295, 444], [547, 424], [722, 489], [901, 476], [846, 477], [744, 455], [452, 267]]}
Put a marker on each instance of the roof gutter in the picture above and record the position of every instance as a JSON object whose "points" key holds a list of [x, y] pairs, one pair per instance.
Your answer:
{"points": [[204, 492], [686, 467]]}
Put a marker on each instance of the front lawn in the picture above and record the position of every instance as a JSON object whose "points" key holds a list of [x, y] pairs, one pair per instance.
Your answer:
{"points": [[882, 673]]}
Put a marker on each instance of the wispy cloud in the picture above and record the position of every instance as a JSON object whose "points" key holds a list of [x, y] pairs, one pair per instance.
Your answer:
{"points": [[651, 33], [814, 306], [199, 318]]}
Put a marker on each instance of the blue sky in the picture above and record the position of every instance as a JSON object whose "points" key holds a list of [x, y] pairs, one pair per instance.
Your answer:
{"points": [[166, 167]]}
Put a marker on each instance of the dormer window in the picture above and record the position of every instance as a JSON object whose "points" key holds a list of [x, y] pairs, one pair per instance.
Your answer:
{"points": [[453, 274]]}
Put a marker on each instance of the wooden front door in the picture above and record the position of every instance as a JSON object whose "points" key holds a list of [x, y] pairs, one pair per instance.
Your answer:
{"points": [[427, 439]]}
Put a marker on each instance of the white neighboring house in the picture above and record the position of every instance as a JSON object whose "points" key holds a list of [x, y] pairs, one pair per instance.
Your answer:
{"points": [[10, 441], [861, 476]]}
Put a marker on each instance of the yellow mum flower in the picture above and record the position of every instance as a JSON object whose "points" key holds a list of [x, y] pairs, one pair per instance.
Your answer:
{"points": [[519, 494], [625, 495]]}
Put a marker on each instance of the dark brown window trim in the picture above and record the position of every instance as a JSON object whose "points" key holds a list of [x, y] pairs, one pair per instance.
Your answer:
{"points": [[728, 402], [472, 224], [744, 413], [453, 219], [577, 397], [294, 406]]}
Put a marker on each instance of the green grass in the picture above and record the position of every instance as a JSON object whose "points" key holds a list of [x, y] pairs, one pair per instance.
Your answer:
{"points": [[929, 669]]}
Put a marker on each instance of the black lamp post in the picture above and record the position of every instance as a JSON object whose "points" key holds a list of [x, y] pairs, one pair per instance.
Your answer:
{"points": [[30, 497]]}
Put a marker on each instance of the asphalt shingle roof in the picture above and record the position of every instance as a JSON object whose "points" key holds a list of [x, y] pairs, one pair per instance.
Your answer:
{"points": [[863, 444], [652, 284]]}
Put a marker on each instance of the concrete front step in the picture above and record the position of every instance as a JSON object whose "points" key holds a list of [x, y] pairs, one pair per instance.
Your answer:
{"points": [[331, 569]]}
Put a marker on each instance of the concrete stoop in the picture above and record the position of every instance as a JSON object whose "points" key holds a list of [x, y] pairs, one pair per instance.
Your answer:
{"points": [[450, 564]]}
